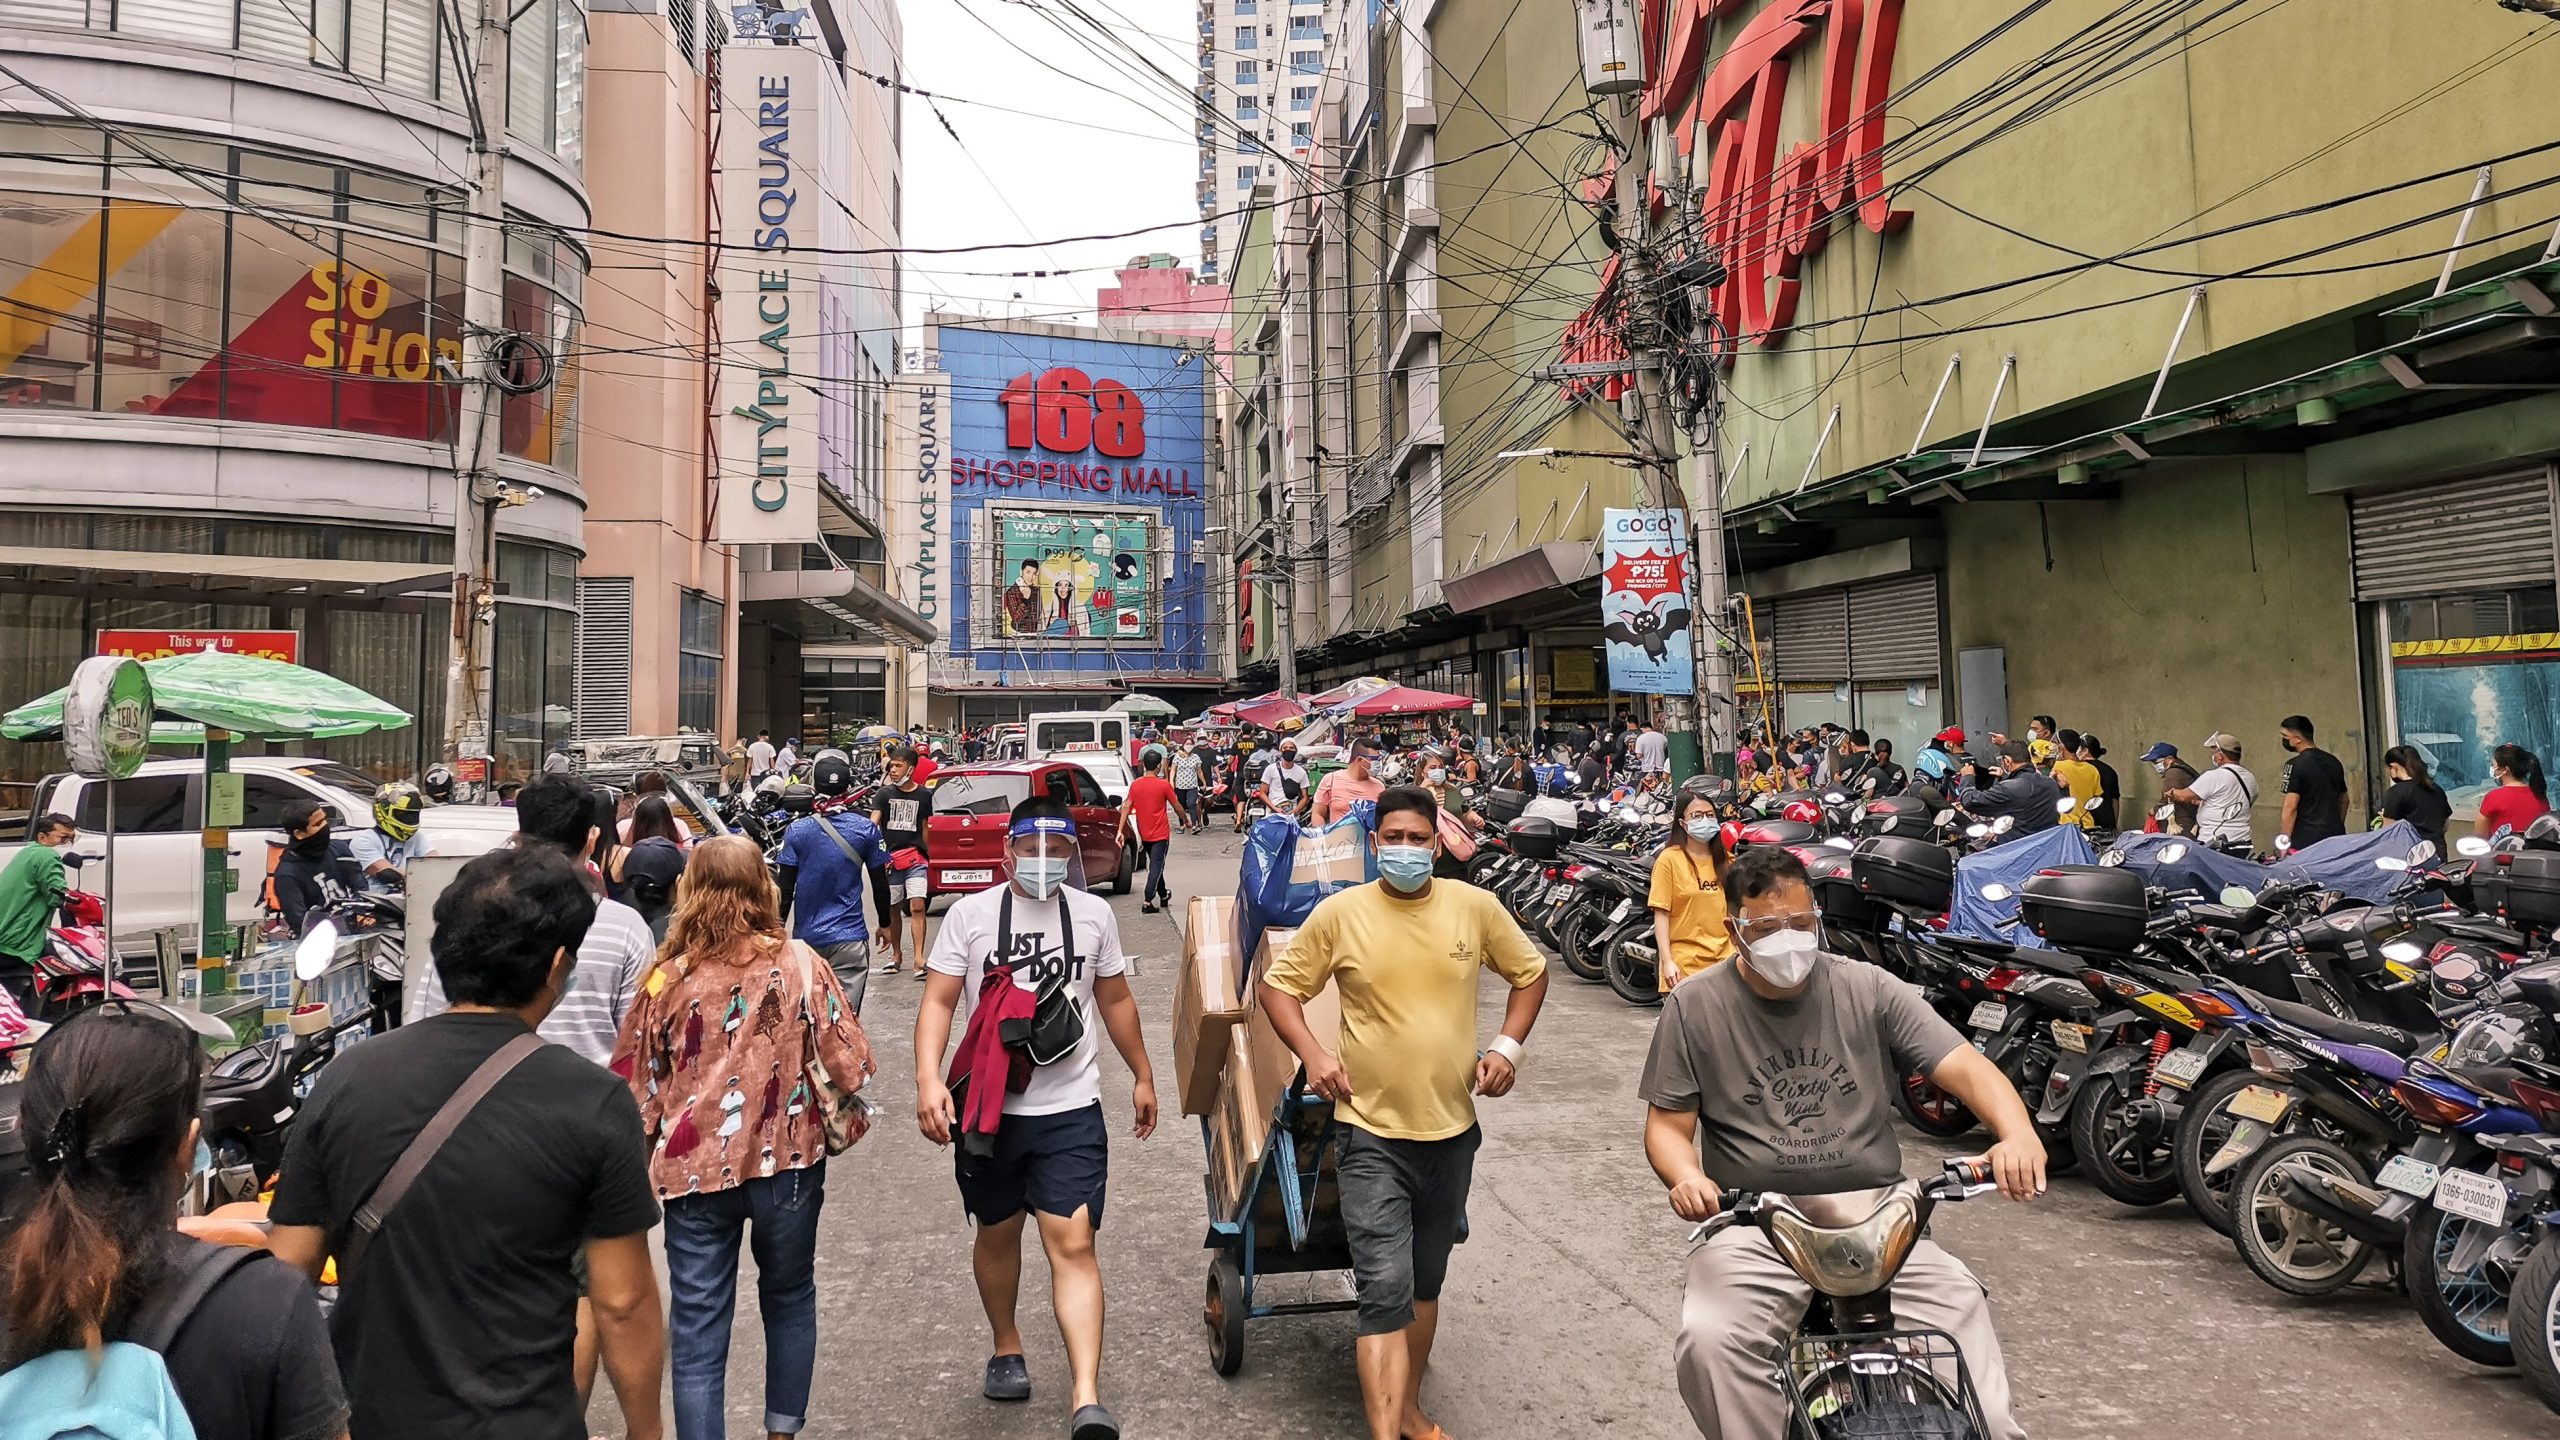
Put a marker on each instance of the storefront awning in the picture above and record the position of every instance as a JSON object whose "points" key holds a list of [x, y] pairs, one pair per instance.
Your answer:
{"points": [[1553, 565], [217, 579], [844, 596]]}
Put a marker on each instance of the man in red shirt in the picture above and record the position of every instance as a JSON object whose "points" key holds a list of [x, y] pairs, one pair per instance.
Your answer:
{"points": [[1148, 807]]}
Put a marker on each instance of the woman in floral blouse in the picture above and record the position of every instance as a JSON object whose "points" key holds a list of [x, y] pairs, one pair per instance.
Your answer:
{"points": [[717, 1051]]}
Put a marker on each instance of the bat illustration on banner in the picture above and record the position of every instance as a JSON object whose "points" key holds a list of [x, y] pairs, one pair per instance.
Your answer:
{"points": [[1647, 630]]}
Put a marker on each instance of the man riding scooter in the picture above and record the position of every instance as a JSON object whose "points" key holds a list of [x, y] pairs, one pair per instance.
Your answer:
{"points": [[31, 888], [382, 852], [1777, 1073]]}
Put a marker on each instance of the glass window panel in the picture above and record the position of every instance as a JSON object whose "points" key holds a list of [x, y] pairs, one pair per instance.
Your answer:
{"points": [[380, 654], [250, 537], [192, 22], [400, 206], [59, 14], [697, 691], [169, 168], [386, 349], [39, 156], [559, 677], [529, 70], [48, 301], [280, 29], [281, 340], [409, 47], [569, 87], [520, 570], [520, 667], [47, 639], [163, 307], [272, 185]]}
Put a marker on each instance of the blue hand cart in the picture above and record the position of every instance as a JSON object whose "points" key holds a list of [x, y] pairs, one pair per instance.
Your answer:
{"points": [[1289, 1222]]}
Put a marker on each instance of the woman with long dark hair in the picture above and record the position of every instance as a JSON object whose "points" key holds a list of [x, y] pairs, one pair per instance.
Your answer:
{"points": [[109, 1110], [718, 1052], [1687, 897], [2520, 796], [2414, 795]]}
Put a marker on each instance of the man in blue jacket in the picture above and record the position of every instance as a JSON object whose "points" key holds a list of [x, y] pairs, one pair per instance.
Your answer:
{"points": [[821, 869], [2023, 793]]}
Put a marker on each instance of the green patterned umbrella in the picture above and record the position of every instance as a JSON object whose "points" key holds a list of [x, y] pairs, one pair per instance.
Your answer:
{"points": [[1144, 704], [240, 693]]}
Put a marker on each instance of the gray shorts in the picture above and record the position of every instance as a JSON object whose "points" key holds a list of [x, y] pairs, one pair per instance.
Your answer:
{"points": [[1404, 1204], [851, 961]]}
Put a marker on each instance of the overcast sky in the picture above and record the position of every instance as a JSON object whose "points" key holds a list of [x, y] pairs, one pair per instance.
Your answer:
{"points": [[1015, 177]]}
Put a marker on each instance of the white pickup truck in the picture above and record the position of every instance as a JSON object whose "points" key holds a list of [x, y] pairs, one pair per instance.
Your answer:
{"points": [[159, 818]]}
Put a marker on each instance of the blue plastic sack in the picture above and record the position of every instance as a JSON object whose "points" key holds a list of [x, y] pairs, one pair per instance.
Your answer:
{"points": [[2010, 863], [1269, 891]]}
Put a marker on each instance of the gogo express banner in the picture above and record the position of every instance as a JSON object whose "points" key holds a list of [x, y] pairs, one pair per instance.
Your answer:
{"points": [[1074, 577], [1644, 601]]}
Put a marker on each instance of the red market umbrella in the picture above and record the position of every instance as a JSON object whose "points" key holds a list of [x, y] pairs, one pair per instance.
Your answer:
{"points": [[1408, 700], [1264, 710]]}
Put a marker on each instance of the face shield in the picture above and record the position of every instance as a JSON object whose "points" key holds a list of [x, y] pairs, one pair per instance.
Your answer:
{"points": [[1041, 854]]}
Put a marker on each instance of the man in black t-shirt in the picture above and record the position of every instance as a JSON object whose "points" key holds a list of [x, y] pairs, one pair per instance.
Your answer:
{"points": [[901, 809], [2314, 786], [461, 1318]]}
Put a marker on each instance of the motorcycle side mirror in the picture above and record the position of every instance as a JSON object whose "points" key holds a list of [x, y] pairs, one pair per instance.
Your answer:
{"points": [[201, 1023], [1834, 797], [2237, 895], [2004, 824], [2065, 805], [2112, 859], [2283, 843], [2165, 812], [2391, 862], [1944, 817], [1976, 832], [1841, 842], [311, 958], [2422, 852], [1996, 892], [2172, 854], [2471, 847], [2405, 951]]}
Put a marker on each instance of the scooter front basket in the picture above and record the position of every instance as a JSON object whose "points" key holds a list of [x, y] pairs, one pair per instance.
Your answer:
{"points": [[1905, 1384]]}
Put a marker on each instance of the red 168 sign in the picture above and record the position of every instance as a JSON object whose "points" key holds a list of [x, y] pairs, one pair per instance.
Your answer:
{"points": [[1064, 410]]}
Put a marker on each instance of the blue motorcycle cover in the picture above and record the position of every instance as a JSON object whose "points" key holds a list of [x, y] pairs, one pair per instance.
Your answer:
{"points": [[2344, 863], [2010, 863], [2198, 870], [1288, 867]]}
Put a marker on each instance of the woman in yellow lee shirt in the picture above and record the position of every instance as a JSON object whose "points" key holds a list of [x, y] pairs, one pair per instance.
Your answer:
{"points": [[1687, 899]]}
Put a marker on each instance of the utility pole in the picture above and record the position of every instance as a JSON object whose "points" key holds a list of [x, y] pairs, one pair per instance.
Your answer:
{"points": [[467, 694], [1706, 723]]}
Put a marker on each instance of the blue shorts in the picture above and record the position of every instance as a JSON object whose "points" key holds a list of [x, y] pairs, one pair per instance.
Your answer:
{"points": [[1051, 1164]]}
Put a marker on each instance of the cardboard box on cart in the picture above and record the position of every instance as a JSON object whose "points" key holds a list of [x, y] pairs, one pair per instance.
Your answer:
{"points": [[1259, 1069], [1207, 1007]]}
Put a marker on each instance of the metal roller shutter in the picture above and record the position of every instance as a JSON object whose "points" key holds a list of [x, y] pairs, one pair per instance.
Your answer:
{"points": [[1893, 629], [1809, 636], [601, 658], [2491, 533]]}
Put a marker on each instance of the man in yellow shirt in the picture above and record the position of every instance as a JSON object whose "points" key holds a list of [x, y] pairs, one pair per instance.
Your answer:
{"points": [[1404, 952], [2078, 778]]}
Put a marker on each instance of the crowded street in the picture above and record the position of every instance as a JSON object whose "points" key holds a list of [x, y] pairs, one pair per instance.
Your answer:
{"points": [[1562, 1302]]}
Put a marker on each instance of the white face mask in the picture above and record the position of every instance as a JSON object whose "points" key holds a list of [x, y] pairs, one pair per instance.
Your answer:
{"points": [[1435, 774], [1041, 875], [1784, 959]]}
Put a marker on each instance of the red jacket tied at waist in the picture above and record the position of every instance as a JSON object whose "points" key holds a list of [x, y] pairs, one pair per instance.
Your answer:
{"points": [[983, 1051]]}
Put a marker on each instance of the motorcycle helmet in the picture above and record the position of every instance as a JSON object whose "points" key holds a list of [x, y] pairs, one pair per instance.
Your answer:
{"points": [[437, 784], [1805, 811], [395, 810]]}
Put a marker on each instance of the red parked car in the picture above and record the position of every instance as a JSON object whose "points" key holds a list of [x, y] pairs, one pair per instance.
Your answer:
{"points": [[965, 837]]}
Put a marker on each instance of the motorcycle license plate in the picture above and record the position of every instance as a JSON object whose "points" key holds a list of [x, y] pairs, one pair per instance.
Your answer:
{"points": [[1989, 1015], [2473, 1197], [1559, 892], [2071, 1037], [969, 877], [2261, 1104], [2181, 1067], [2409, 1175]]}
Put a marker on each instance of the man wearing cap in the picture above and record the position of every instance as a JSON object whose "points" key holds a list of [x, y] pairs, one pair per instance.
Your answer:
{"points": [[2023, 793], [2175, 775], [1942, 756], [2222, 796]]}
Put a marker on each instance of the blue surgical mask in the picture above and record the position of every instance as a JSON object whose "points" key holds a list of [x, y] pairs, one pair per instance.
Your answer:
{"points": [[1041, 875], [1702, 829], [1406, 868]]}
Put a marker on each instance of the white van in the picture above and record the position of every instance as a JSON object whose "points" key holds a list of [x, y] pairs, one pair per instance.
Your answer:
{"points": [[1058, 733]]}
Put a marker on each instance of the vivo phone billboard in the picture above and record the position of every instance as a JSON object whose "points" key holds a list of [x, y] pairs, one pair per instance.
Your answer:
{"points": [[1078, 487]]}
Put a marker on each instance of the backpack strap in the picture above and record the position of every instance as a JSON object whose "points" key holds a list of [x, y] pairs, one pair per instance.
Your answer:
{"points": [[422, 1151], [198, 1270]]}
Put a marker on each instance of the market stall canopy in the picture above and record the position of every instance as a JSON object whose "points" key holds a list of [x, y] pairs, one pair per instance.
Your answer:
{"points": [[1143, 704], [220, 579], [879, 732], [1371, 697], [1266, 710], [239, 693]]}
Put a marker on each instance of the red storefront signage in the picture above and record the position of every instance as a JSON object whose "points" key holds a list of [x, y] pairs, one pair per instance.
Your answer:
{"points": [[1763, 211], [285, 645]]}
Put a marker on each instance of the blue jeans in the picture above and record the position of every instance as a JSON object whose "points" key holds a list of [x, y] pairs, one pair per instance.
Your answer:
{"points": [[1156, 886], [780, 1215]]}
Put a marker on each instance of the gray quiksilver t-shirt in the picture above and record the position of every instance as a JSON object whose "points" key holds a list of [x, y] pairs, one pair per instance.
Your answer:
{"points": [[1794, 1096]]}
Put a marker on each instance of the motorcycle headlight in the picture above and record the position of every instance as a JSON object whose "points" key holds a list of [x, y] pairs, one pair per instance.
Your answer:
{"points": [[1850, 1260]]}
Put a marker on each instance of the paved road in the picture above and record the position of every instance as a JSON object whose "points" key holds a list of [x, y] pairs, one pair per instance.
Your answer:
{"points": [[1559, 1312]]}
